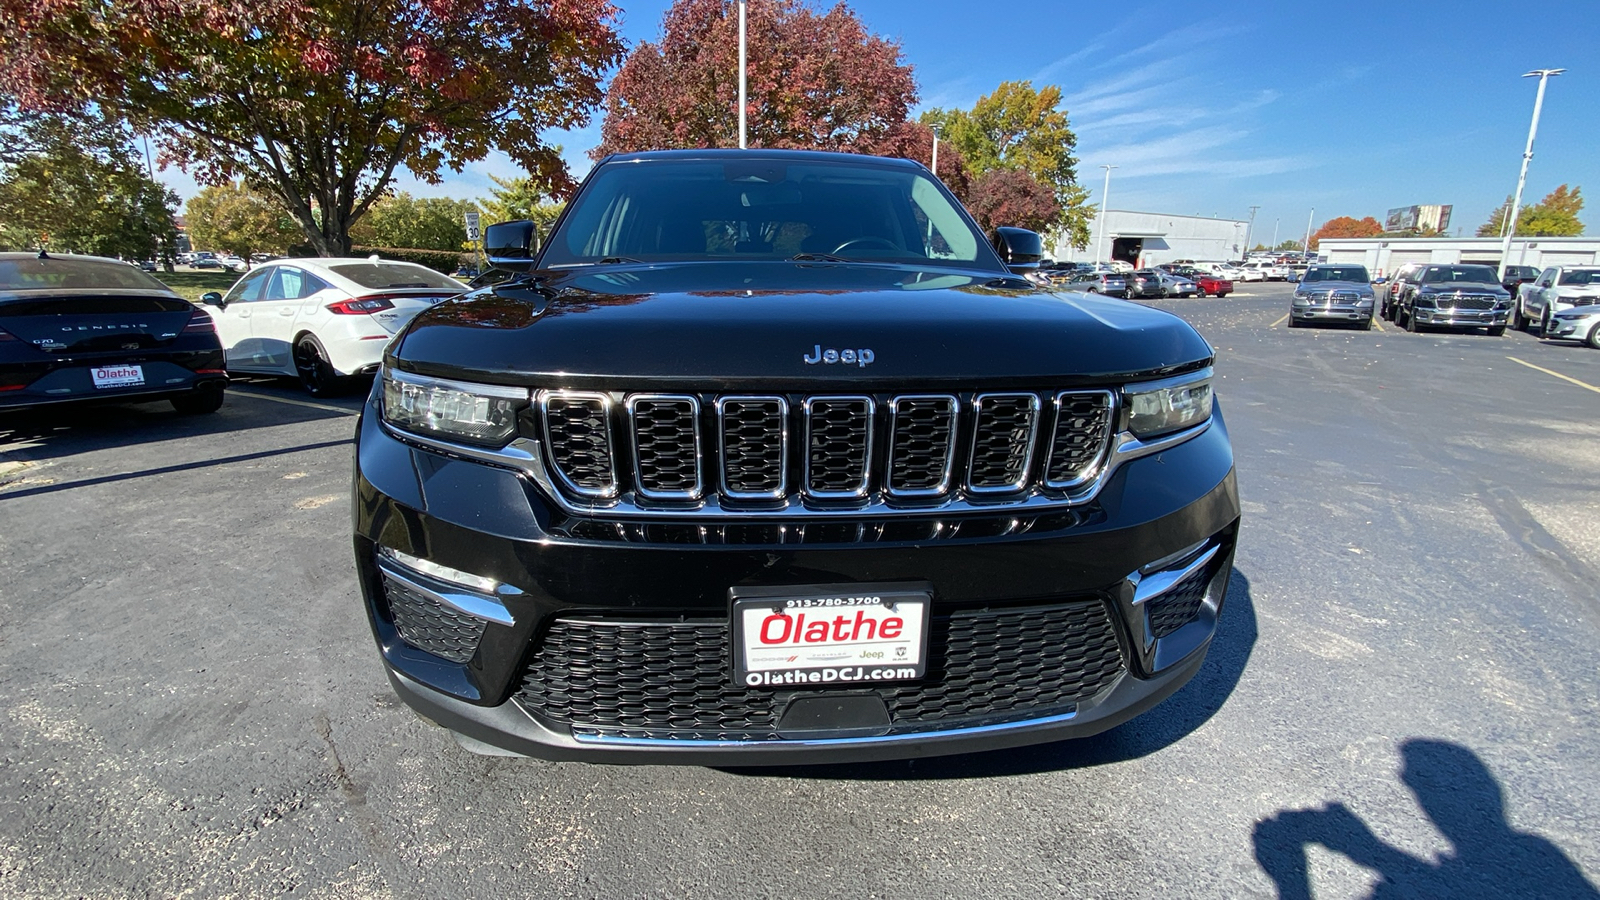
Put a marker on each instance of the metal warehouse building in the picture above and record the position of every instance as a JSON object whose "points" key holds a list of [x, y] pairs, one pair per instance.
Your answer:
{"points": [[1148, 239], [1382, 256]]}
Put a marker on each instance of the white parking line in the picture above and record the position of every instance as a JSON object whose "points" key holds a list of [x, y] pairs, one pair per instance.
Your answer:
{"points": [[1556, 374], [306, 403]]}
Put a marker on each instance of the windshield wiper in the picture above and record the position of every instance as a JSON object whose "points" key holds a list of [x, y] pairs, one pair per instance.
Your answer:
{"points": [[816, 257], [616, 259]]}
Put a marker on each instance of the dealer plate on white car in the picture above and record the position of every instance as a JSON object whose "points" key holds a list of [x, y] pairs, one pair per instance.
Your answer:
{"points": [[829, 634], [117, 376]]}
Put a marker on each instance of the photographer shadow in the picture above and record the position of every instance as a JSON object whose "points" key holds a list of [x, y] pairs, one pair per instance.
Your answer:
{"points": [[1488, 858]]}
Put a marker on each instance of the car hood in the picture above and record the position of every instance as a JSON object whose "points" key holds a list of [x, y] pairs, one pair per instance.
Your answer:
{"points": [[759, 323], [1488, 287], [1333, 285]]}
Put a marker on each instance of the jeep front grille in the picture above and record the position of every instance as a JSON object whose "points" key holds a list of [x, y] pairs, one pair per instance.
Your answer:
{"points": [[781, 452]]}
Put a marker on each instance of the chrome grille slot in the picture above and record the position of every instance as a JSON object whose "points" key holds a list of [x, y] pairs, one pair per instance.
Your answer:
{"points": [[838, 439], [578, 433], [1002, 442], [922, 442], [666, 446], [755, 447], [1082, 434]]}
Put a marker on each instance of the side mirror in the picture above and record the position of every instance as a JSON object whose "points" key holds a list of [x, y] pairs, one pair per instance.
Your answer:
{"points": [[1020, 249], [1380, 280], [511, 245], [211, 298]]}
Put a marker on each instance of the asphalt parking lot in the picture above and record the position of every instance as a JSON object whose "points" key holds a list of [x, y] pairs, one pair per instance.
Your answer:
{"points": [[1403, 687]]}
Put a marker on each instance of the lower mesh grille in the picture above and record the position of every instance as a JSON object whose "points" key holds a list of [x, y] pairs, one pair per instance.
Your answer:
{"points": [[1180, 605], [430, 626], [674, 679]]}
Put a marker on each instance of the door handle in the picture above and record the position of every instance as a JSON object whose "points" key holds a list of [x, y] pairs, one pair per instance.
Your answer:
{"points": [[285, 312]]}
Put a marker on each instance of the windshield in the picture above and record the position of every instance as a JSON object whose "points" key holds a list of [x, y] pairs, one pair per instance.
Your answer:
{"points": [[762, 208], [59, 272], [1472, 274], [393, 275], [1581, 276], [1338, 273]]}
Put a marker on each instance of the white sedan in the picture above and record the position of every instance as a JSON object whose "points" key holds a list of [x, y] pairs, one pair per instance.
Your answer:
{"points": [[322, 320]]}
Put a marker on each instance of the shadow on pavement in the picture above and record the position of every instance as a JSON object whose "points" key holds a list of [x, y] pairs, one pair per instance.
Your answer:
{"points": [[1160, 727], [167, 470], [50, 433], [1488, 858]]}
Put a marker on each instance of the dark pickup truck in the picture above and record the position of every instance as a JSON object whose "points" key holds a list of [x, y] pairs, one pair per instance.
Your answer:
{"points": [[772, 457]]}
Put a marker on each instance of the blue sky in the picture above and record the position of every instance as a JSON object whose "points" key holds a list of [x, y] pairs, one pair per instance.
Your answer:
{"points": [[1210, 108]]}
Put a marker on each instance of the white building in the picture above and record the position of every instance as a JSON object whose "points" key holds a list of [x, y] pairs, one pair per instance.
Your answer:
{"points": [[1382, 256], [1148, 239]]}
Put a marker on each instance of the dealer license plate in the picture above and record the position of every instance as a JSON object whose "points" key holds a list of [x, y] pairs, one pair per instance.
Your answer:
{"points": [[117, 376], [829, 634]]}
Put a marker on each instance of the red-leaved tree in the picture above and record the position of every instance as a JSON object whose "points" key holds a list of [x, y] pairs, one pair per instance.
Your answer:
{"points": [[1347, 227], [815, 81], [1013, 197], [318, 102]]}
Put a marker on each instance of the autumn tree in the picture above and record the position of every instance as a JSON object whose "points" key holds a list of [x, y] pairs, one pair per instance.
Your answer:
{"points": [[76, 183], [1554, 216], [815, 81], [423, 223], [1010, 197], [235, 219], [1347, 227], [319, 102]]}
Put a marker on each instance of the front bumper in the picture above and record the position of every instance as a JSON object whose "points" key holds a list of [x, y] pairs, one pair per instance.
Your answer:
{"points": [[1460, 318], [1178, 510], [1342, 312], [1573, 328]]}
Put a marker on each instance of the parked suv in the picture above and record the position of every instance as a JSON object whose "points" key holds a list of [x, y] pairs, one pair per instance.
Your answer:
{"points": [[1514, 277], [768, 457], [1557, 288], [1454, 296], [1389, 300]]}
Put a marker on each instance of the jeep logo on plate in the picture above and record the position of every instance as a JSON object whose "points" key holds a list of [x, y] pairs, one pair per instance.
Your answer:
{"points": [[862, 357]]}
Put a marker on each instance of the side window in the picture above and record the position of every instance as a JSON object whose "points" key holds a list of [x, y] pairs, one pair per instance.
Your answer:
{"points": [[1548, 278], [287, 284], [248, 288]]}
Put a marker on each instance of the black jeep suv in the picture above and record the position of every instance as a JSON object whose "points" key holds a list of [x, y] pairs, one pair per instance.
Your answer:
{"points": [[769, 457]]}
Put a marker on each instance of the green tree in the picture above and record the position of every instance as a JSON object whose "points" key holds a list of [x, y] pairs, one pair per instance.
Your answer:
{"points": [[520, 198], [76, 183], [1554, 216], [319, 102], [1497, 220], [234, 219], [1019, 128], [422, 223]]}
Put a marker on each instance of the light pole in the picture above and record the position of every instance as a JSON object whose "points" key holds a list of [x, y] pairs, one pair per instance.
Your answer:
{"points": [[1305, 249], [1248, 229], [1100, 240], [1544, 76], [936, 151], [1275, 233], [742, 4]]}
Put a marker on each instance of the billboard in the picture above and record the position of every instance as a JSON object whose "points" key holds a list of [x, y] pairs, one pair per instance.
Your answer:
{"points": [[1418, 218]]}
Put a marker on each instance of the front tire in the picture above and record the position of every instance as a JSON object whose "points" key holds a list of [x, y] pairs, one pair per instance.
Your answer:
{"points": [[316, 374], [1593, 340], [1544, 324], [1412, 325], [1517, 322]]}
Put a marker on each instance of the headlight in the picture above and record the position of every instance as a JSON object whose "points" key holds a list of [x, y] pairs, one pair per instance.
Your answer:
{"points": [[1156, 409], [477, 413]]}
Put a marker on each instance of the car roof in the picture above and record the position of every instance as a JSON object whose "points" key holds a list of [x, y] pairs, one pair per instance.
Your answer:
{"points": [[74, 272], [721, 155]]}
